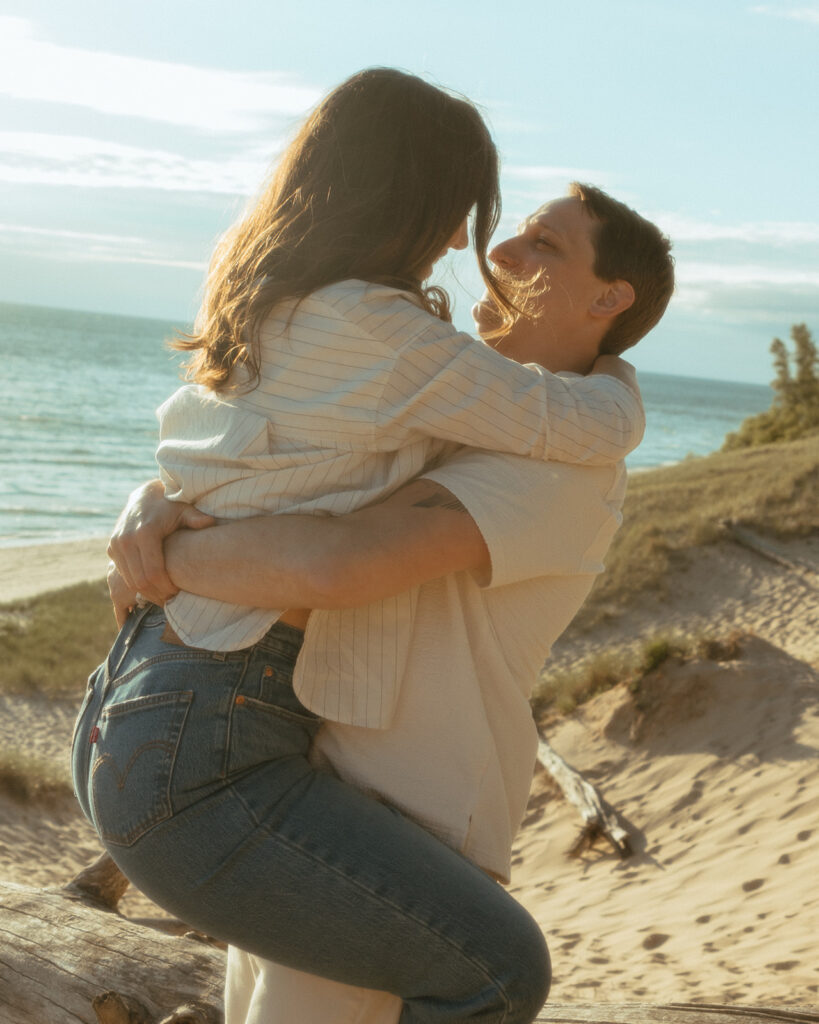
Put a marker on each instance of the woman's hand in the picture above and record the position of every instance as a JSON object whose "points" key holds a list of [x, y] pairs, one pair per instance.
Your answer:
{"points": [[136, 549], [614, 366]]}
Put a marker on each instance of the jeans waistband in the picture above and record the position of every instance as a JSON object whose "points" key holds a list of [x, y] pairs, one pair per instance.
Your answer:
{"points": [[281, 639]]}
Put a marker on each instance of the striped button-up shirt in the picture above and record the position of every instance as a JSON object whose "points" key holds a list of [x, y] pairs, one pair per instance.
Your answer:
{"points": [[360, 390]]}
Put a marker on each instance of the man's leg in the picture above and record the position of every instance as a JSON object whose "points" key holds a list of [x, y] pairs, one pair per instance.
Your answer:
{"points": [[261, 992]]}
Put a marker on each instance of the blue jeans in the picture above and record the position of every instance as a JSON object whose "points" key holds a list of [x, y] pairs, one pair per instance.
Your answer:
{"points": [[192, 766]]}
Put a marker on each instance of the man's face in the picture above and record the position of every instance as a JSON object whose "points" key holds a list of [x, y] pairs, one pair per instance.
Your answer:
{"points": [[554, 245]]}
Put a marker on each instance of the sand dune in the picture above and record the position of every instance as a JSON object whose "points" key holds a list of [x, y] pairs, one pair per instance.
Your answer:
{"points": [[714, 766], [717, 779]]}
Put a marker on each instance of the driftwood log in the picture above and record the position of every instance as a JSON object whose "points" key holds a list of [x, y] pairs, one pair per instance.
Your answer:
{"points": [[67, 957], [673, 1013], [762, 546], [599, 819]]}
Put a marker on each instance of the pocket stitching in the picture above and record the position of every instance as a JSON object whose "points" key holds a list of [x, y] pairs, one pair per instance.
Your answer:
{"points": [[154, 818]]}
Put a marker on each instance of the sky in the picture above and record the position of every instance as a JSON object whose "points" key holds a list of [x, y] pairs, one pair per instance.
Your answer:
{"points": [[133, 134]]}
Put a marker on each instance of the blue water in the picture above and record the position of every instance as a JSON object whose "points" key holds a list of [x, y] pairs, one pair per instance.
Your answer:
{"points": [[78, 430]]}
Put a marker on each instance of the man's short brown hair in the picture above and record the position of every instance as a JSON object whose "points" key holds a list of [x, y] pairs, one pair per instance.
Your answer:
{"points": [[628, 248]]}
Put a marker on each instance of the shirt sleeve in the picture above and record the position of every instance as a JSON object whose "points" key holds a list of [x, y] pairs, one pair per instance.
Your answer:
{"points": [[537, 519], [453, 387]]}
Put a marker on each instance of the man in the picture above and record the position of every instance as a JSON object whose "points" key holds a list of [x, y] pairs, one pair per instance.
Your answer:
{"points": [[498, 551]]}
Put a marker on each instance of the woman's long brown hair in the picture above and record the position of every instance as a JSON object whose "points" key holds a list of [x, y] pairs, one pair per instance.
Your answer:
{"points": [[373, 186]]}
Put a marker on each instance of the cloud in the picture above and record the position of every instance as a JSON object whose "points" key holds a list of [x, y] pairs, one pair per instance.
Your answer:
{"points": [[33, 158], [539, 174], [737, 292], [747, 275], [87, 247], [779, 233], [207, 99], [805, 14]]}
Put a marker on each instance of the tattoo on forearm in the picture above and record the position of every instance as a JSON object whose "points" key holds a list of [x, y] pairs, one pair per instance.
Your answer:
{"points": [[439, 500]]}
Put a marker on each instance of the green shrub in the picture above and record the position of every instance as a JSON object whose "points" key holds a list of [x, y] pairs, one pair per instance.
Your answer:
{"points": [[563, 690]]}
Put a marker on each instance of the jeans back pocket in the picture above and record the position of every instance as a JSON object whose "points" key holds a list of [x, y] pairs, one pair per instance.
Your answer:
{"points": [[135, 752], [267, 720]]}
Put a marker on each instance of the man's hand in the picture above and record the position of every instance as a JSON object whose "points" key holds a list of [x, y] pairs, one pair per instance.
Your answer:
{"points": [[136, 548], [122, 597]]}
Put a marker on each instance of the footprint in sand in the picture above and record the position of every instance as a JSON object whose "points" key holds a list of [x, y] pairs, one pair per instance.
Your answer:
{"points": [[703, 919], [753, 885], [803, 836], [691, 797], [783, 965], [784, 859], [654, 940]]}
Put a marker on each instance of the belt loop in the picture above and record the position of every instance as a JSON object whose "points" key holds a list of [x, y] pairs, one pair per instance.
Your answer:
{"points": [[137, 617]]}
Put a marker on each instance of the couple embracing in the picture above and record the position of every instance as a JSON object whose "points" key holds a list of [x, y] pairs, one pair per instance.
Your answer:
{"points": [[312, 737]]}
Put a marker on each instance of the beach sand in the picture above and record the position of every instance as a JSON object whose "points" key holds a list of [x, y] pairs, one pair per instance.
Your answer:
{"points": [[33, 569], [716, 774]]}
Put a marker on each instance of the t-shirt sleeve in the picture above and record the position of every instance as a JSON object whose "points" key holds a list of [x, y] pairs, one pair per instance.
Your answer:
{"points": [[448, 385], [537, 519]]}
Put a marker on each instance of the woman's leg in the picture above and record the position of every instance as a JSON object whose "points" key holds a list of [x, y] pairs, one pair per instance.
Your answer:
{"points": [[202, 791]]}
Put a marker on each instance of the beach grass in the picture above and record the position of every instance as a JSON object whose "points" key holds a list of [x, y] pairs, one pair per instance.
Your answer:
{"points": [[50, 643], [563, 690], [28, 779], [772, 489]]}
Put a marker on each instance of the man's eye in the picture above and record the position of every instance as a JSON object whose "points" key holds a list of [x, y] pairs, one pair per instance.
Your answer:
{"points": [[544, 243]]}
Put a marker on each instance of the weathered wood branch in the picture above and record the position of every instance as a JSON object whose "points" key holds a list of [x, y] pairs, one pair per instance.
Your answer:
{"points": [[761, 546], [673, 1013], [598, 818], [101, 882], [66, 956]]}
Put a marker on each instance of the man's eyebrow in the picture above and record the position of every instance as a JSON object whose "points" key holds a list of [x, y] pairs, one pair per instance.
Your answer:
{"points": [[544, 225], [539, 223]]}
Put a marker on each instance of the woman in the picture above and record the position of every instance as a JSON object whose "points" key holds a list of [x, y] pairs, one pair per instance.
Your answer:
{"points": [[326, 375]]}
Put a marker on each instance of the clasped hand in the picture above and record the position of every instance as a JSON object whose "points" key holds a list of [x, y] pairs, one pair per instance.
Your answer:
{"points": [[137, 568]]}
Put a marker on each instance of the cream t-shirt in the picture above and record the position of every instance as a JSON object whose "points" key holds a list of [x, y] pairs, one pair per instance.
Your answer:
{"points": [[459, 755]]}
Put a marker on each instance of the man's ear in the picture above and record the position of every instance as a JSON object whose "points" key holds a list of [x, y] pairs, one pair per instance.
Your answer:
{"points": [[614, 299]]}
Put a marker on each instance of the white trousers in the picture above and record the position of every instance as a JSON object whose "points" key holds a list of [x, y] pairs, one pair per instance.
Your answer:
{"points": [[261, 992]]}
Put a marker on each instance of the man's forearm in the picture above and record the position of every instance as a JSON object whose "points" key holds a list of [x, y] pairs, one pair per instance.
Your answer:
{"points": [[299, 561], [266, 562]]}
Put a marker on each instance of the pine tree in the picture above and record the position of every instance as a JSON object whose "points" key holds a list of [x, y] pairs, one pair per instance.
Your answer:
{"points": [[805, 358], [783, 382], [795, 408]]}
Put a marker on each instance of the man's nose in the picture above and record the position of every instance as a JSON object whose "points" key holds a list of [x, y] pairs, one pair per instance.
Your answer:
{"points": [[503, 256]]}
